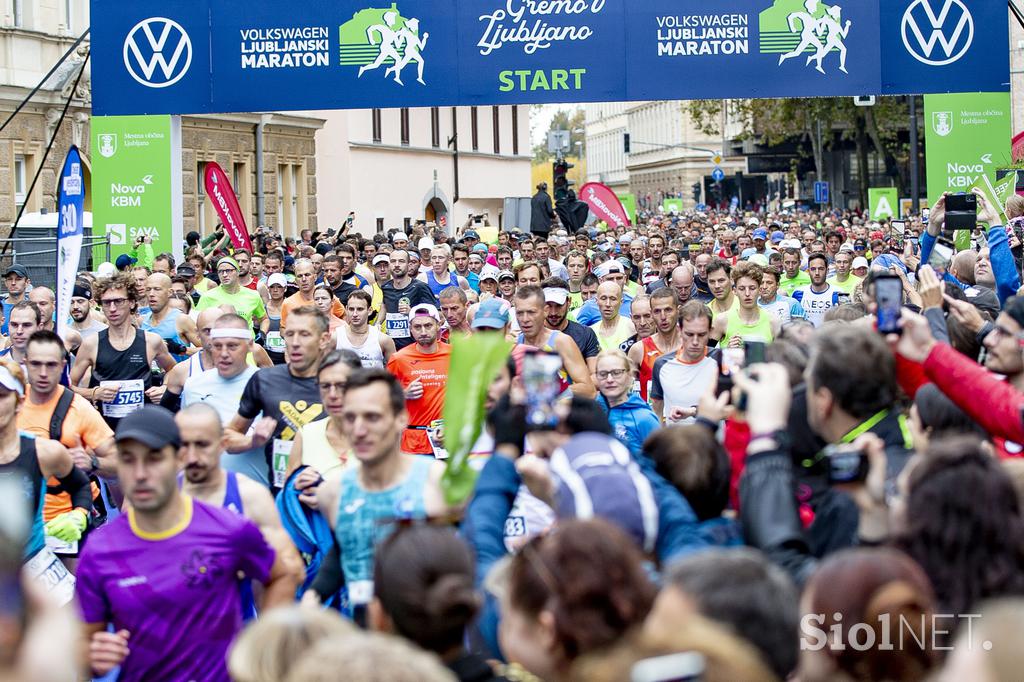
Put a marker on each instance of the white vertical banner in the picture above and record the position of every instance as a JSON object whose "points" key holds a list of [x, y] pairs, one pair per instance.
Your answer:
{"points": [[71, 208]]}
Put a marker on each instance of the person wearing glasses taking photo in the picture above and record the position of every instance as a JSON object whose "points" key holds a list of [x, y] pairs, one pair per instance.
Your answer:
{"points": [[120, 356]]}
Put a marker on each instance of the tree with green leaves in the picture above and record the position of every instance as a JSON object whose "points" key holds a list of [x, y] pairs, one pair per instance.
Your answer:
{"points": [[564, 119]]}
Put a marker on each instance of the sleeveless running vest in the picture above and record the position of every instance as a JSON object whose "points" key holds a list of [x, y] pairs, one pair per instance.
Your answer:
{"points": [[436, 287], [130, 364], [369, 353], [358, 526], [651, 353], [25, 473], [549, 347], [166, 330], [620, 334], [275, 342], [759, 331]]}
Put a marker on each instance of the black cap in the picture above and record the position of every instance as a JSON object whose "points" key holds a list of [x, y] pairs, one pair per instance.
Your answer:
{"points": [[81, 292], [19, 270], [186, 270], [152, 426]]}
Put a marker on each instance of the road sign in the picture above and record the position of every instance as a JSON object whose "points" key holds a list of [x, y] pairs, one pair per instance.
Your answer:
{"points": [[718, 175], [558, 141], [821, 191], [717, 159], [701, 207]]}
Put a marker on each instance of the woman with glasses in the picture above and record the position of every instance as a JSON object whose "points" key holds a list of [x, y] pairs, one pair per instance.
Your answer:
{"points": [[321, 445], [631, 418]]}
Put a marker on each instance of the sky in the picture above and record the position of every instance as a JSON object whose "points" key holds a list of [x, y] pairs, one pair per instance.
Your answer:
{"points": [[539, 122]]}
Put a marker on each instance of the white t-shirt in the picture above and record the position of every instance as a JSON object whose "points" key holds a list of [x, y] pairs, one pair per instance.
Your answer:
{"points": [[680, 384], [816, 305]]}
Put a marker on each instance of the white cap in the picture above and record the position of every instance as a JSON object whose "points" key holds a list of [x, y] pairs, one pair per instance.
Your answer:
{"points": [[859, 262], [556, 295], [381, 258], [753, 221], [489, 273], [277, 278], [607, 268], [106, 269], [424, 309], [400, 237], [425, 243], [790, 244]]}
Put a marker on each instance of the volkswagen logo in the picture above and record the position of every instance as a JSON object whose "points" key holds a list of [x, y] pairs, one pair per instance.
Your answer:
{"points": [[157, 52], [952, 30]]}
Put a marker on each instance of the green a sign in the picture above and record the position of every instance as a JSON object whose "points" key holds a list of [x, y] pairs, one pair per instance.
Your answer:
{"points": [[883, 202], [967, 137], [136, 181], [670, 205]]}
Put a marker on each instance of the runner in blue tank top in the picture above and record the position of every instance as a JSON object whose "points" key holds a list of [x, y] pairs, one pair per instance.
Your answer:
{"points": [[173, 326], [205, 480]]}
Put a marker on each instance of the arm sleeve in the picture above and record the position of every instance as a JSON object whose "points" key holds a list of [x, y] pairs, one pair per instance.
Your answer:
{"points": [[146, 257], [250, 405], [769, 514], [994, 404], [76, 484], [1003, 266], [492, 501], [927, 243], [937, 322], [171, 401]]}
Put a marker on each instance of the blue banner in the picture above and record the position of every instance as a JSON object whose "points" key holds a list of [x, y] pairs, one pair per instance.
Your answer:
{"points": [[200, 56], [70, 219]]}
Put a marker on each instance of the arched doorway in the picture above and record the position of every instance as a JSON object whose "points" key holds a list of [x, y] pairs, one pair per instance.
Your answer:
{"points": [[434, 210]]}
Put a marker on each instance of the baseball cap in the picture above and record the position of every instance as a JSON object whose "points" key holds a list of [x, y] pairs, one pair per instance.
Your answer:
{"points": [[490, 274], [400, 237], [425, 243], [151, 425], [758, 259], [186, 270], [760, 233], [597, 477], [81, 292], [778, 236], [790, 244], [277, 278], [846, 248], [607, 268], [381, 258], [506, 274], [556, 295], [11, 382], [753, 221], [491, 314], [470, 234], [424, 309], [123, 262], [106, 269], [859, 262]]}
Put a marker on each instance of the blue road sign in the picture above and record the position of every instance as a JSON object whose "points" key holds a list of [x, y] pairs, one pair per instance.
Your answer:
{"points": [[718, 175], [701, 207], [821, 193]]}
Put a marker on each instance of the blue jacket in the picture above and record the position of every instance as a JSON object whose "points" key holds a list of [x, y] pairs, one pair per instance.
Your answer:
{"points": [[1003, 267], [632, 422], [679, 532]]}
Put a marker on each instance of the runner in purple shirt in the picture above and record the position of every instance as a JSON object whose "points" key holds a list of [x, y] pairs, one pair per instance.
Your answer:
{"points": [[165, 574]]}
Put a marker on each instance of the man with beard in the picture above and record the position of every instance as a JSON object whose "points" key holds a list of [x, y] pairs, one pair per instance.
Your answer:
{"points": [[668, 263], [422, 369], [556, 318], [345, 280], [173, 326], [246, 302], [84, 319], [204, 479], [401, 294], [664, 305]]}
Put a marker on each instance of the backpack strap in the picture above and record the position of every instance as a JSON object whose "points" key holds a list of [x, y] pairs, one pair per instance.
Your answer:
{"points": [[60, 412]]}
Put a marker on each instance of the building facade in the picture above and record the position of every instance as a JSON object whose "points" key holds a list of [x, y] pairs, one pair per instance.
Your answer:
{"points": [[394, 167]]}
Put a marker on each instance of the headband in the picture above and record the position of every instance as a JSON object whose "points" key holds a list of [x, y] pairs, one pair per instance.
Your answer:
{"points": [[10, 382], [231, 333], [229, 260]]}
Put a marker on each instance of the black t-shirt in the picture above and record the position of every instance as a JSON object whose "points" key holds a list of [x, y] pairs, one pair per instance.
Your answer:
{"points": [[585, 338], [396, 324], [348, 285], [293, 401]]}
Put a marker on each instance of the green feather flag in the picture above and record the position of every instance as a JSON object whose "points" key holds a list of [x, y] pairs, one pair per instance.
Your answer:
{"points": [[475, 361]]}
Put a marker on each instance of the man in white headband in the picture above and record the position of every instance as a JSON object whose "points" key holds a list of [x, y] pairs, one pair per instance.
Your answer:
{"points": [[221, 388]]}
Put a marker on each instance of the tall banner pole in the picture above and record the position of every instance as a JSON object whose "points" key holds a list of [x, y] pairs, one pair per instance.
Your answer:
{"points": [[71, 211]]}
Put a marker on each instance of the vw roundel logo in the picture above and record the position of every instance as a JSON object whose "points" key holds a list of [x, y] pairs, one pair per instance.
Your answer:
{"points": [[937, 38], [157, 52]]}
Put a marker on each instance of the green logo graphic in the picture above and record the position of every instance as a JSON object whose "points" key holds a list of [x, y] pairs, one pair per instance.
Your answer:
{"points": [[375, 37], [791, 28]]}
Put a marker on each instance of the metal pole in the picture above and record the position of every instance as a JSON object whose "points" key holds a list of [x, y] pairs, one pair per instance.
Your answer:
{"points": [[915, 180]]}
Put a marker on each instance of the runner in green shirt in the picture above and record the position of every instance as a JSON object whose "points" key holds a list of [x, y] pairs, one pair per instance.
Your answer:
{"points": [[246, 302], [792, 276]]}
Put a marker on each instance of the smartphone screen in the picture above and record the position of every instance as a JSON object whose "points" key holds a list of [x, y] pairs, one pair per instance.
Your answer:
{"points": [[899, 230], [846, 464], [753, 352], [542, 385], [889, 299], [941, 256]]}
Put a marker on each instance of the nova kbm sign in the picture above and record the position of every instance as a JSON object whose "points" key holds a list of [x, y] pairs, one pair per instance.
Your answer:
{"points": [[195, 56]]}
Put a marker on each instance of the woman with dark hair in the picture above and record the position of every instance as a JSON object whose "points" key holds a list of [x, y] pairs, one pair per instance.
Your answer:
{"points": [[963, 525], [423, 591], [572, 592], [933, 415], [861, 596]]}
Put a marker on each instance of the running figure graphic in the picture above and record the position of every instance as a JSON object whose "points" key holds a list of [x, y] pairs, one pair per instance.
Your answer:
{"points": [[808, 29], [413, 46], [389, 42], [836, 34]]}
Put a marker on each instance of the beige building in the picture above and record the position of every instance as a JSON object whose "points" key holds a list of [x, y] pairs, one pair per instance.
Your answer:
{"points": [[394, 167]]}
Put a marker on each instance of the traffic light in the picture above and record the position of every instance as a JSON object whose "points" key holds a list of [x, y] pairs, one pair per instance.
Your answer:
{"points": [[696, 192], [625, 142], [562, 182]]}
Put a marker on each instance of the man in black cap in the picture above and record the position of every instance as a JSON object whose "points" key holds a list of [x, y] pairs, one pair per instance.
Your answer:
{"points": [[17, 281], [541, 212], [170, 559]]}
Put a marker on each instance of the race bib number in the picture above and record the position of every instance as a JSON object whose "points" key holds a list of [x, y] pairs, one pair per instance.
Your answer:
{"points": [[130, 397], [397, 325], [282, 452], [435, 433], [360, 592], [515, 527], [47, 570], [275, 342], [60, 546]]}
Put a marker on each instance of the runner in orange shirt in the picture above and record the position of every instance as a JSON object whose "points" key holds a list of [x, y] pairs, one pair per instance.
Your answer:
{"points": [[422, 369], [305, 279]]}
